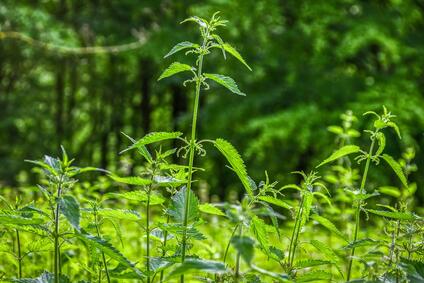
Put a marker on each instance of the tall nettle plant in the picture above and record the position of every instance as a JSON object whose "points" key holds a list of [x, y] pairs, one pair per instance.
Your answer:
{"points": [[209, 40]]}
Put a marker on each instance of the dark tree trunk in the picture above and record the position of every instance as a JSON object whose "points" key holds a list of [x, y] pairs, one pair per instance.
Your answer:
{"points": [[145, 73]]}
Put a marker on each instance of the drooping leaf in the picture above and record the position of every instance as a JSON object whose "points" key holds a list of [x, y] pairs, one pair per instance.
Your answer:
{"points": [[153, 138], [141, 149], [394, 215], [329, 225], [198, 265], [134, 180], [362, 243], [245, 246], [237, 164], [328, 253], [345, 150], [381, 138], [18, 220], [258, 228], [210, 209], [140, 196], [396, 168], [122, 214], [230, 49], [395, 127], [390, 191], [178, 204], [306, 263], [201, 22], [225, 81], [69, 207], [181, 46], [275, 201], [173, 69]]}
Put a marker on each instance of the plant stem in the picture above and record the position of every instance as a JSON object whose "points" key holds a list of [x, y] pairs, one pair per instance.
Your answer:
{"points": [[191, 156], [165, 235], [56, 237], [295, 233], [19, 255], [148, 235], [238, 257], [358, 208], [229, 242], [103, 254]]}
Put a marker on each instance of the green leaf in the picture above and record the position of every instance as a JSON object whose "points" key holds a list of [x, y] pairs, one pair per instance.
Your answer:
{"points": [[395, 215], [381, 138], [210, 209], [140, 196], [122, 214], [181, 46], [165, 181], [201, 22], [314, 275], [258, 228], [328, 253], [397, 168], [278, 277], [175, 68], [390, 191], [225, 81], [236, 162], [275, 201], [45, 277], [178, 203], [201, 265], [307, 204], [153, 138], [362, 243], [230, 49], [18, 220], [245, 246], [310, 263], [136, 181], [108, 249], [329, 225], [69, 207], [395, 127], [141, 149], [343, 151]]}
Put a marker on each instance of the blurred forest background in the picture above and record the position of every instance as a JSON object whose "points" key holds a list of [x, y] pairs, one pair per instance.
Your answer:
{"points": [[311, 61]]}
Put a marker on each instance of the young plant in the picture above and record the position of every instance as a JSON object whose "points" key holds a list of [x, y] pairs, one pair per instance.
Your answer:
{"points": [[210, 40], [377, 138]]}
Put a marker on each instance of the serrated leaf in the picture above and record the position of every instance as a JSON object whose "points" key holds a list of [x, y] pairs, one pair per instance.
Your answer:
{"points": [[275, 201], [396, 168], [140, 149], [237, 164], [210, 209], [328, 253], [362, 243], [230, 49], [134, 180], [329, 225], [307, 205], [314, 275], [199, 265], [18, 220], [69, 207], [107, 249], [153, 138], [122, 214], [178, 203], [140, 196], [310, 263], [179, 229], [201, 22], [173, 69], [278, 277], [166, 181], [245, 246], [181, 46], [258, 228], [225, 81], [45, 277], [343, 151], [394, 215]]}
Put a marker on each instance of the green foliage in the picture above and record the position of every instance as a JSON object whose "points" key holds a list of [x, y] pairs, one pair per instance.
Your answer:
{"points": [[69, 207], [173, 69], [346, 150], [226, 82], [179, 201]]}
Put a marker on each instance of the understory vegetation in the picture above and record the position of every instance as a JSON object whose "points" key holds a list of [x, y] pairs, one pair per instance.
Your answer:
{"points": [[160, 224]]}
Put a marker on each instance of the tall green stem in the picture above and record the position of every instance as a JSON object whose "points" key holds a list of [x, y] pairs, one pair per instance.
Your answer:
{"points": [[358, 208], [165, 239], [192, 148], [295, 233], [56, 236], [238, 257], [18, 239], [103, 254], [148, 235]]}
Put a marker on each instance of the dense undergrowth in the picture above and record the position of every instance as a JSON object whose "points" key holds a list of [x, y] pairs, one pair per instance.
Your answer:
{"points": [[157, 225]]}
